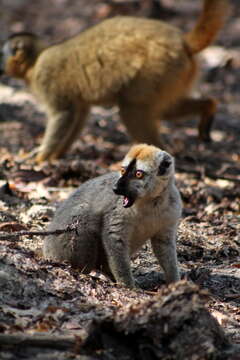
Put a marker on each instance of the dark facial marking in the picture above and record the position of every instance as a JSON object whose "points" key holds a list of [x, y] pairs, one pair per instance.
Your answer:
{"points": [[166, 162], [121, 187], [131, 167], [122, 182]]}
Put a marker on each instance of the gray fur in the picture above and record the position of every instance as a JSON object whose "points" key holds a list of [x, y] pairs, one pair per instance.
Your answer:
{"points": [[109, 234]]}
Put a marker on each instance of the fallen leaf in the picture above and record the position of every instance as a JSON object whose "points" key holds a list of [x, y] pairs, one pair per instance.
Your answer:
{"points": [[12, 226]]}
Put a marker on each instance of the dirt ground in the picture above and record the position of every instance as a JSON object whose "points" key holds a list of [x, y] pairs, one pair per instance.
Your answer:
{"points": [[41, 297]]}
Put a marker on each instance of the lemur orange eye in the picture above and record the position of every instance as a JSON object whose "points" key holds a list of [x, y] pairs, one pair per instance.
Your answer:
{"points": [[123, 171], [139, 174]]}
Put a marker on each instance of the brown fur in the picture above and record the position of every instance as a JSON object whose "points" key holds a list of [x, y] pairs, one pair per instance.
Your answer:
{"points": [[142, 152], [208, 25], [146, 67]]}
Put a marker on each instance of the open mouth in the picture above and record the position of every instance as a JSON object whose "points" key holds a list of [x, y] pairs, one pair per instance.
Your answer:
{"points": [[128, 201]]}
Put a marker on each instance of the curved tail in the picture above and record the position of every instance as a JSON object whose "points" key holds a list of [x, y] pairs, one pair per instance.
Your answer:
{"points": [[211, 20]]}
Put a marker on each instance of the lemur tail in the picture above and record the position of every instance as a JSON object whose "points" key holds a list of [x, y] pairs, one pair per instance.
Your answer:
{"points": [[211, 20]]}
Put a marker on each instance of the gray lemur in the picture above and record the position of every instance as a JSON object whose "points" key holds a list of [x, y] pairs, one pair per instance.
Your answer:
{"points": [[111, 228]]}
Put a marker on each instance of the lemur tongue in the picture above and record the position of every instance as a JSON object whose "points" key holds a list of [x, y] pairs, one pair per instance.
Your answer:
{"points": [[125, 201]]}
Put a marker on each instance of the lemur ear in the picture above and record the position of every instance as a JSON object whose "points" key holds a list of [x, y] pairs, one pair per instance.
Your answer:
{"points": [[164, 165]]}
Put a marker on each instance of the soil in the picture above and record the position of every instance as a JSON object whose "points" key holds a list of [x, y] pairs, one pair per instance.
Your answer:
{"points": [[48, 299]]}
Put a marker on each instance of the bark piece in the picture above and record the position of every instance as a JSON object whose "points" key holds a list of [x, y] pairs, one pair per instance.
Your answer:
{"points": [[172, 325]]}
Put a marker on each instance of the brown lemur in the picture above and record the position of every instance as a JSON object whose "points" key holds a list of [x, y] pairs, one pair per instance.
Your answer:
{"points": [[117, 213], [144, 66]]}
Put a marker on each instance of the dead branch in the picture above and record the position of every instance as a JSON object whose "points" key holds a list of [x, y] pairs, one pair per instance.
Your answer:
{"points": [[207, 173], [48, 340], [16, 234]]}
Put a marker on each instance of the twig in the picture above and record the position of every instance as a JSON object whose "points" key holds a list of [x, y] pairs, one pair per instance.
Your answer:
{"points": [[209, 174], [48, 340], [15, 235], [222, 177]]}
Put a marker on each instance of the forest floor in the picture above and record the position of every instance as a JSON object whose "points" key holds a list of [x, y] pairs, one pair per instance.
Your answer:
{"points": [[38, 296]]}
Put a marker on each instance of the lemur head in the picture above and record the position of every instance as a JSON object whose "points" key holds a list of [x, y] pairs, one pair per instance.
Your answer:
{"points": [[145, 172], [19, 53]]}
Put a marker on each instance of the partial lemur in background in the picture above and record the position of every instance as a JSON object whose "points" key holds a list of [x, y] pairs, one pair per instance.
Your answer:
{"points": [[144, 66]]}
